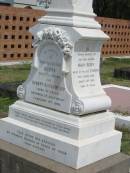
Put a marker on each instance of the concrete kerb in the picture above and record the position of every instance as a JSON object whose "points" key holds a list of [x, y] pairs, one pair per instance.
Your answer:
{"points": [[122, 121], [9, 63]]}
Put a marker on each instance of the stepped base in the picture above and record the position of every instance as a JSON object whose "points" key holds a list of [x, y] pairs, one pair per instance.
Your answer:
{"points": [[75, 151], [14, 159]]}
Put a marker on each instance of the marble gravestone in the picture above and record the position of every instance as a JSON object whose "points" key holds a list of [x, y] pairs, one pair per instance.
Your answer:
{"points": [[62, 112]]}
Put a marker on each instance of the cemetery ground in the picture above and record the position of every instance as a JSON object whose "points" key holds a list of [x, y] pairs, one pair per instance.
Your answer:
{"points": [[12, 76]]}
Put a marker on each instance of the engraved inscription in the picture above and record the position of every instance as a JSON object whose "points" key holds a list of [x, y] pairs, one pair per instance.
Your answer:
{"points": [[42, 122], [35, 142], [86, 78], [47, 87], [86, 69]]}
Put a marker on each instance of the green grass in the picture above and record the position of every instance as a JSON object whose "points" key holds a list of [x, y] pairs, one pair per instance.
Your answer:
{"points": [[14, 73], [125, 147], [5, 102], [10, 74], [107, 69]]}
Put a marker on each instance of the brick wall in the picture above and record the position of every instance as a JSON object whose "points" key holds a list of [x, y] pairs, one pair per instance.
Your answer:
{"points": [[16, 41], [119, 33]]}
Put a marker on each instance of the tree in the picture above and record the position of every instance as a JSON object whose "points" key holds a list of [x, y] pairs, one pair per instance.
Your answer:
{"points": [[112, 8]]}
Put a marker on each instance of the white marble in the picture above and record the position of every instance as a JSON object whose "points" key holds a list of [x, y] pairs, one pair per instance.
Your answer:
{"points": [[65, 71], [72, 140], [62, 112], [74, 127], [47, 86], [77, 13], [74, 153], [65, 74]]}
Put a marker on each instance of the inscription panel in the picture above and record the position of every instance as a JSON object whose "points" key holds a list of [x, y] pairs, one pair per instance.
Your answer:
{"points": [[47, 87], [38, 143], [43, 122], [34, 141], [85, 71]]}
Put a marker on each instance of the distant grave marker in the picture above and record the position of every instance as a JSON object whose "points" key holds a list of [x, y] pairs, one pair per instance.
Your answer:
{"points": [[122, 73]]}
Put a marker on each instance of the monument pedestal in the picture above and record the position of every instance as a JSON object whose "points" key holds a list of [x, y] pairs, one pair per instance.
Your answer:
{"points": [[75, 141], [62, 113]]}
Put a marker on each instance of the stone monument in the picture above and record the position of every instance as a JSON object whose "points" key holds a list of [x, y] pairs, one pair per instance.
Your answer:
{"points": [[62, 112]]}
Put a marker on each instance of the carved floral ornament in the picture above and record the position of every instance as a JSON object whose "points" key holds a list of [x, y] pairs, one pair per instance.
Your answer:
{"points": [[58, 36]]}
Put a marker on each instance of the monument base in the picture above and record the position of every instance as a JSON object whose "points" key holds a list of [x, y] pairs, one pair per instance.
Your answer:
{"points": [[18, 160], [71, 140]]}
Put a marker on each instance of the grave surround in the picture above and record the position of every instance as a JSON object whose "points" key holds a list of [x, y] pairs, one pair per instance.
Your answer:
{"points": [[62, 112]]}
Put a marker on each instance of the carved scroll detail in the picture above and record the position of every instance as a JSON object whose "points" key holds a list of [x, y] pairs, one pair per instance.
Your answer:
{"points": [[77, 107], [21, 92]]}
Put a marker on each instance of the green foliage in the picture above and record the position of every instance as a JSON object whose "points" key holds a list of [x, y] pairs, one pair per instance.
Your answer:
{"points": [[9, 74], [112, 8], [14, 73], [125, 147], [107, 69], [5, 102]]}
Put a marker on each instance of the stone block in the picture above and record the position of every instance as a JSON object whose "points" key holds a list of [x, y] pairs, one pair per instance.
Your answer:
{"points": [[118, 163]]}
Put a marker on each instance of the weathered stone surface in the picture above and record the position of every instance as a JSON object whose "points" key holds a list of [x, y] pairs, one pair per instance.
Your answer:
{"points": [[73, 127], [10, 163], [62, 109], [68, 141], [65, 71], [77, 13]]}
